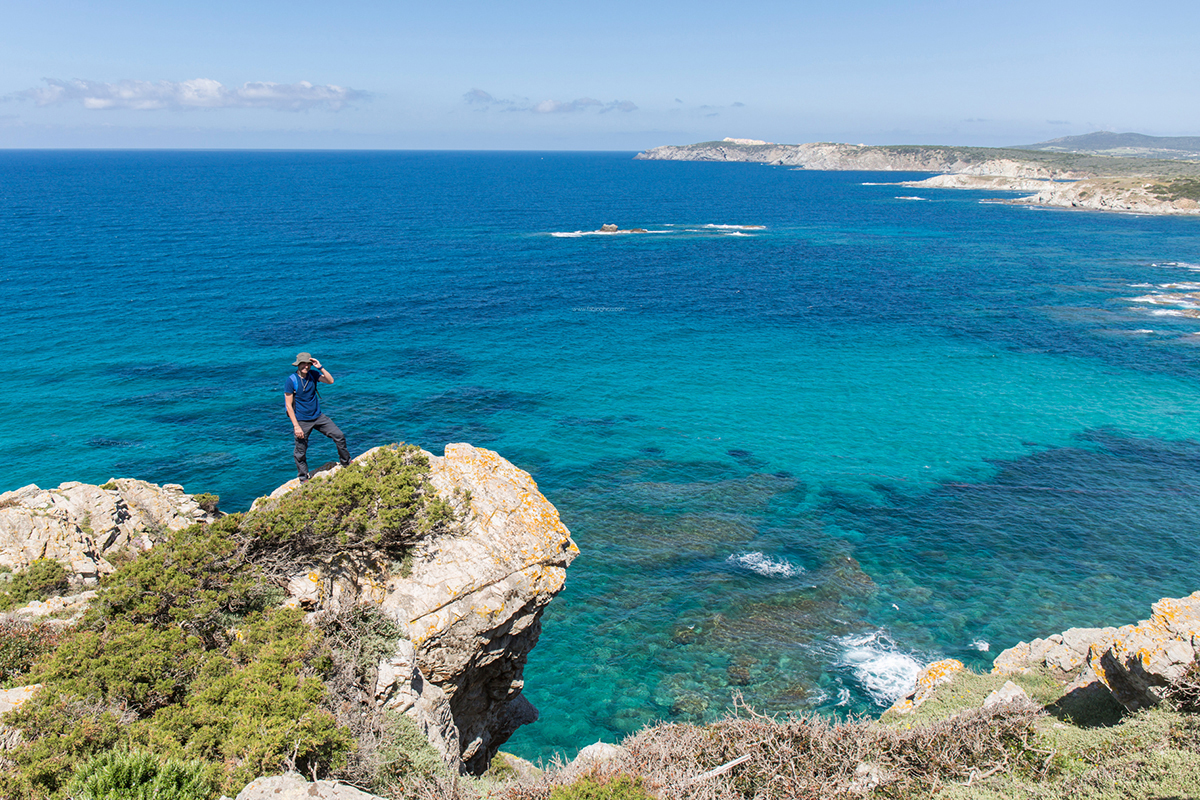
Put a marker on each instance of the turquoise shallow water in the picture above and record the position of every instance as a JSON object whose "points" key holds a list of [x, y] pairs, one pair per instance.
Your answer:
{"points": [[799, 460]]}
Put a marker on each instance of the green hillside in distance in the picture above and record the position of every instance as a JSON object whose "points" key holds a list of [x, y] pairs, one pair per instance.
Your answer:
{"points": [[1128, 145]]}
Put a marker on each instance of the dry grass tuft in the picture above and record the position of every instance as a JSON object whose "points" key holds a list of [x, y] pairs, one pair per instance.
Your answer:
{"points": [[811, 757]]}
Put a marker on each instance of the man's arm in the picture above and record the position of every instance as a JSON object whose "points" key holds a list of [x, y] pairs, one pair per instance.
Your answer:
{"points": [[325, 377], [289, 403]]}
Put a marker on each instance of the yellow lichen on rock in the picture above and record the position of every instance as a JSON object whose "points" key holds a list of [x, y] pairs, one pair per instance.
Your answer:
{"points": [[936, 674]]}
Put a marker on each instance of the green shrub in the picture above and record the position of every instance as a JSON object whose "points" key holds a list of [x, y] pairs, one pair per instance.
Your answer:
{"points": [[141, 666], [197, 580], [21, 644], [140, 775], [500, 769], [185, 654], [207, 501], [404, 755], [382, 503], [43, 579], [1178, 189], [257, 708], [600, 787], [59, 733]]}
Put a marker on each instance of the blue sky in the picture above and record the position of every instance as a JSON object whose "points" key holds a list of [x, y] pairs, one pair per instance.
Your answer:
{"points": [[617, 75]]}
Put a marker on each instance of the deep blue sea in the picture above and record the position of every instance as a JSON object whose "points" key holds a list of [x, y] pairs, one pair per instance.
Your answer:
{"points": [[800, 460]]}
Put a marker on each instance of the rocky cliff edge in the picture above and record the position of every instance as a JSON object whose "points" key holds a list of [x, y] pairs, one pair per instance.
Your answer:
{"points": [[470, 598]]}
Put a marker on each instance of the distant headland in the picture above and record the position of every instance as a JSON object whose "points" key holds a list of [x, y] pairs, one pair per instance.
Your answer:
{"points": [[1099, 171]]}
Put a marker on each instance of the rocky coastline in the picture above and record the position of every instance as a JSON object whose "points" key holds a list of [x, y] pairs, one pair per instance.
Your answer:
{"points": [[468, 601], [1061, 180]]}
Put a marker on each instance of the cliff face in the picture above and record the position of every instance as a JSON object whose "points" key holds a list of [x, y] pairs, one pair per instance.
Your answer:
{"points": [[470, 601], [818, 155], [468, 598], [1064, 180]]}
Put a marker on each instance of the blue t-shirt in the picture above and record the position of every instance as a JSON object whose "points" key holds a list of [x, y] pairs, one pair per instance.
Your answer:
{"points": [[305, 402]]}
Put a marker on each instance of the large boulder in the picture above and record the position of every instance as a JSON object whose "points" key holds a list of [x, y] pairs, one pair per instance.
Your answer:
{"points": [[1142, 660], [470, 603], [1134, 663], [473, 604], [79, 524]]}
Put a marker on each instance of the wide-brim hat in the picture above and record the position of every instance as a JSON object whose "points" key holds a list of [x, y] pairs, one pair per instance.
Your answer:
{"points": [[302, 358]]}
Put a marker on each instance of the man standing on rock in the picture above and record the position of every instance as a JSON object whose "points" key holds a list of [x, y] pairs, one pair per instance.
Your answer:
{"points": [[303, 405]]}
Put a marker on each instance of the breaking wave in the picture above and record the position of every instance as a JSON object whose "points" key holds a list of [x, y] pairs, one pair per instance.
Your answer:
{"points": [[884, 672], [766, 566]]}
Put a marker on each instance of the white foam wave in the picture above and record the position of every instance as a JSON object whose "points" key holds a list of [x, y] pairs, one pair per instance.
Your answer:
{"points": [[1181, 287], [577, 234], [910, 197], [1181, 300], [1167, 312], [981, 645], [737, 227], [766, 566], [883, 671], [1180, 264]]}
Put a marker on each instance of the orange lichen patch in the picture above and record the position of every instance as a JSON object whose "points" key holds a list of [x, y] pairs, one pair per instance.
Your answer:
{"points": [[935, 674], [1179, 616], [939, 672], [11, 699]]}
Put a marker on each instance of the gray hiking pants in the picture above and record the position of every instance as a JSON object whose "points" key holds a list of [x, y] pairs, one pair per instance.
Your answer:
{"points": [[325, 425]]}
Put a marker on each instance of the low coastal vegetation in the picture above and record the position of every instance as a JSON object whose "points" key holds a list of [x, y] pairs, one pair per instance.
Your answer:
{"points": [[1181, 189], [1054, 748], [187, 671], [1055, 162], [45, 578]]}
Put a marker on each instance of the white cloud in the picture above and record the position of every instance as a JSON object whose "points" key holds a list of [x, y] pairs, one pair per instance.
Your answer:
{"points": [[193, 94], [479, 97]]}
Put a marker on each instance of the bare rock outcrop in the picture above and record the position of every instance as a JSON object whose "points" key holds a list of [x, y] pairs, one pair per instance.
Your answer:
{"points": [[1143, 659], [470, 604], [1064, 655], [933, 676], [79, 524], [1135, 663], [294, 787]]}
